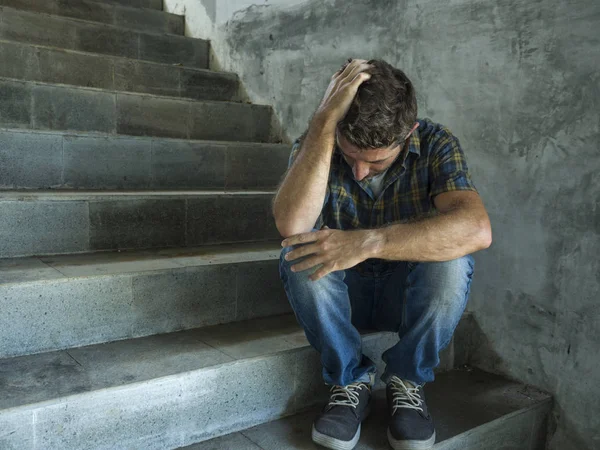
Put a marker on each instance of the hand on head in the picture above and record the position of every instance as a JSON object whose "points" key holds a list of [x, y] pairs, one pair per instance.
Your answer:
{"points": [[342, 90]]}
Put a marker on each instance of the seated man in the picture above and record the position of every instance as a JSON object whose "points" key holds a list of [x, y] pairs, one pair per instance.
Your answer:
{"points": [[379, 217]]}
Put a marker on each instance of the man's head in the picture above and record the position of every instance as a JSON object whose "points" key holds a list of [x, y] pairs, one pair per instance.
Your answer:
{"points": [[381, 117]]}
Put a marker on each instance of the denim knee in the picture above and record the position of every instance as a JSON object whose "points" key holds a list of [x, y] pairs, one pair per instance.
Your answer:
{"points": [[443, 278], [302, 290], [441, 288], [285, 268], [296, 282]]}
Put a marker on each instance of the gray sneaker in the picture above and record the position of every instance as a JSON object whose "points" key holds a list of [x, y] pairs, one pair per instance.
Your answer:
{"points": [[411, 426], [338, 425]]}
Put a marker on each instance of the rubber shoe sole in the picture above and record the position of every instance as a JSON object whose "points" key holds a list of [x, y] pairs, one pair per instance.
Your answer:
{"points": [[333, 443], [411, 445]]}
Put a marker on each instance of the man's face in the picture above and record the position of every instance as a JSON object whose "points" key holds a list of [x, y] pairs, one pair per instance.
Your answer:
{"points": [[367, 163]]}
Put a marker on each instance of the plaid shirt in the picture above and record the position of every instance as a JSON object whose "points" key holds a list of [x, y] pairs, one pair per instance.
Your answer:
{"points": [[433, 163]]}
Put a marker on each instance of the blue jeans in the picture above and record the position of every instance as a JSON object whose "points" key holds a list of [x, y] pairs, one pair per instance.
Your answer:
{"points": [[422, 302]]}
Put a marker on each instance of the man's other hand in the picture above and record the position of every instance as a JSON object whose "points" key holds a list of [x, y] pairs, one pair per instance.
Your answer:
{"points": [[332, 249]]}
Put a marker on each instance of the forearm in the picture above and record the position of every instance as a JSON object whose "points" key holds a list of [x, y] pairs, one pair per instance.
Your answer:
{"points": [[442, 237], [300, 197]]}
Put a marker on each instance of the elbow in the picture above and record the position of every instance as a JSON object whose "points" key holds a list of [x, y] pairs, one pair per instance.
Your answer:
{"points": [[484, 235], [284, 230], [281, 223], [282, 226], [290, 224], [287, 229]]}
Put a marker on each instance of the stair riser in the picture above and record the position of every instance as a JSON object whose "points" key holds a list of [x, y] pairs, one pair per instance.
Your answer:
{"points": [[45, 107], [30, 63], [186, 408], [60, 32], [151, 4], [147, 20], [43, 227], [44, 161], [108, 308]]}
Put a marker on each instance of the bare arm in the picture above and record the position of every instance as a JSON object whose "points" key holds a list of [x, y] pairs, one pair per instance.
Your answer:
{"points": [[461, 228], [300, 197]]}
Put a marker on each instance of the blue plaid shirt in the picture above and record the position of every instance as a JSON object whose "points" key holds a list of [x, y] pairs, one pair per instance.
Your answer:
{"points": [[431, 164]]}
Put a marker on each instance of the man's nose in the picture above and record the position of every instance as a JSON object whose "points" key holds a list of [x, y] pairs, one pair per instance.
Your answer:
{"points": [[360, 171]]}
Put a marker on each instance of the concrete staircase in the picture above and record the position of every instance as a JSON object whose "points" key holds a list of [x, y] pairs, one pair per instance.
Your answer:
{"points": [[140, 301]]}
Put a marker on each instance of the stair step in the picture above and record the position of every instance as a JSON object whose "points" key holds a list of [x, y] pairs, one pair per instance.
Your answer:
{"points": [[41, 106], [472, 410], [75, 34], [163, 391], [100, 264], [58, 222], [108, 296], [29, 62], [53, 160], [111, 14]]}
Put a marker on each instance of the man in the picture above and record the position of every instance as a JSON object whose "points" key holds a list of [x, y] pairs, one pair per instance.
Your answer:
{"points": [[379, 217]]}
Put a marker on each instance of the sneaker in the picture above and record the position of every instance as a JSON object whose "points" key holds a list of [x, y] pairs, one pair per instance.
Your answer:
{"points": [[411, 426], [338, 425]]}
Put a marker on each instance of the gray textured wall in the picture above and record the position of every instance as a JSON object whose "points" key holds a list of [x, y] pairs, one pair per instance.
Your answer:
{"points": [[518, 82]]}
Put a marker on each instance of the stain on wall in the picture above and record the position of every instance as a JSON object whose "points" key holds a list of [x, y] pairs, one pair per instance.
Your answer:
{"points": [[519, 83]]}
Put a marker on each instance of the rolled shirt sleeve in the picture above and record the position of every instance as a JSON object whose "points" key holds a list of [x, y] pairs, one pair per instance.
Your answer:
{"points": [[294, 152], [448, 167]]}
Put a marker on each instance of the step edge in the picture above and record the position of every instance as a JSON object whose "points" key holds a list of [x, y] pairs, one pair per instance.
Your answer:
{"points": [[28, 255], [99, 135], [193, 261], [103, 55], [140, 94], [86, 195]]}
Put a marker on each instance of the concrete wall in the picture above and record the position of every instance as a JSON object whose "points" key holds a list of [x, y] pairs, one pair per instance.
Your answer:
{"points": [[518, 82], [212, 19]]}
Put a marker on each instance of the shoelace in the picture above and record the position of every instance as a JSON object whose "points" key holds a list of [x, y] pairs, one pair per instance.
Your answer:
{"points": [[404, 396], [345, 395]]}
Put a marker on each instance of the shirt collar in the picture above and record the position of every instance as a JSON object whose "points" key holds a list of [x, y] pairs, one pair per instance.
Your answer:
{"points": [[414, 146]]}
